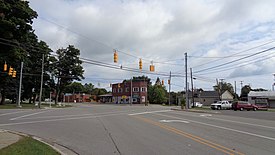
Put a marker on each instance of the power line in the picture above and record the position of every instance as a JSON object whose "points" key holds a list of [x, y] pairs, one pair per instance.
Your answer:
{"points": [[237, 53], [209, 68], [241, 65]]}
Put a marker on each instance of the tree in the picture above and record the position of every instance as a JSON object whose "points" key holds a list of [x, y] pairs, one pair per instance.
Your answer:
{"points": [[157, 94], [68, 68], [223, 86], [15, 21], [74, 87], [244, 92], [88, 88]]}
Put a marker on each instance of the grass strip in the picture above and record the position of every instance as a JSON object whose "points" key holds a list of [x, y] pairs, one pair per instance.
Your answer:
{"points": [[28, 146]]}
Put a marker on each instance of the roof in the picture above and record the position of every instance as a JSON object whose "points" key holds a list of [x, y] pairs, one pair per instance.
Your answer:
{"points": [[106, 95], [209, 94], [261, 93]]}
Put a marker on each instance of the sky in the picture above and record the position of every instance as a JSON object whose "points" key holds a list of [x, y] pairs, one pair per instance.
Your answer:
{"points": [[229, 40]]}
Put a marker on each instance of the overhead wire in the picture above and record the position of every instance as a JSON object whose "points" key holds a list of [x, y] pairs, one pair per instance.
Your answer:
{"points": [[236, 53], [236, 60]]}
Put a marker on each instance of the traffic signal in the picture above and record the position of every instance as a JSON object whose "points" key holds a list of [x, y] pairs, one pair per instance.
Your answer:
{"points": [[140, 64], [10, 71], [5, 67], [162, 82], [152, 68], [14, 74], [115, 56], [168, 81]]}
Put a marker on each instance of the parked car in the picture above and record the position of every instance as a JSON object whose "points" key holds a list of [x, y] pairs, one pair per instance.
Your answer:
{"points": [[221, 105], [242, 105], [198, 104]]}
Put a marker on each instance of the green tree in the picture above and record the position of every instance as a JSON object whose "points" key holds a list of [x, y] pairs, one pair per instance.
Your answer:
{"points": [[68, 68], [88, 88], [223, 86], [74, 87], [157, 94], [244, 92], [15, 28]]}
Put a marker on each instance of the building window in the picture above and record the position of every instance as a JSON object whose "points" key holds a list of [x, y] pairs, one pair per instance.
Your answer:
{"points": [[127, 89], [143, 89], [114, 90], [135, 89], [119, 90]]}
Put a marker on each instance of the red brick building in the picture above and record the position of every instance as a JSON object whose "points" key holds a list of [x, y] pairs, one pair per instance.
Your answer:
{"points": [[122, 92]]}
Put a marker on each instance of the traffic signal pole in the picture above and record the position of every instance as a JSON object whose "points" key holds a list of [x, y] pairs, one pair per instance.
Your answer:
{"points": [[20, 86]]}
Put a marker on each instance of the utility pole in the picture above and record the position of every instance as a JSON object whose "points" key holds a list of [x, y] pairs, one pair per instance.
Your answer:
{"points": [[193, 105], [131, 101], [235, 87], [41, 84], [20, 86], [219, 90], [169, 89], [186, 84]]}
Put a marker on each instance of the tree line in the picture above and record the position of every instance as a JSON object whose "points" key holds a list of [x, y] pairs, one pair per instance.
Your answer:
{"points": [[19, 43]]}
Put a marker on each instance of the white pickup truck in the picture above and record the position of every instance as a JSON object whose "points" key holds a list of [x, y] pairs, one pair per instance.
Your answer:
{"points": [[221, 105]]}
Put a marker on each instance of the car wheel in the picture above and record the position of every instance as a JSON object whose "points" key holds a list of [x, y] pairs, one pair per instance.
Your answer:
{"points": [[235, 109], [241, 109], [219, 108], [254, 109]]}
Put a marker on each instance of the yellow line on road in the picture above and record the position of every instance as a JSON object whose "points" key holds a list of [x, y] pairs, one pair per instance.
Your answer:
{"points": [[193, 137]]}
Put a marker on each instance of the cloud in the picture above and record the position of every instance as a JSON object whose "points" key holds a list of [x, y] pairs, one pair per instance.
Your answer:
{"points": [[160, 31]]}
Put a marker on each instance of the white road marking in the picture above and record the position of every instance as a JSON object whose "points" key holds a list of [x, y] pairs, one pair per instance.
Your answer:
{"points": [[61, 119], [168, 121], [30, 114], [221, 127], [148, 112], [90, 114], [206, 115], [15, 112], [226, 120]]}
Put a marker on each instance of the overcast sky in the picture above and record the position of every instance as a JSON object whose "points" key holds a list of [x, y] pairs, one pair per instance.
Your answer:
{"points": [[224, 39]]}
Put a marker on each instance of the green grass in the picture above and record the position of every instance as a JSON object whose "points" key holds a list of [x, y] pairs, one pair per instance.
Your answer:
{"points": [[30, 106], [28, 146]]}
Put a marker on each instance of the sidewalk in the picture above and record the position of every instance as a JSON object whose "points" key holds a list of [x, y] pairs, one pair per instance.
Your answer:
{"points": [[7, 138]]}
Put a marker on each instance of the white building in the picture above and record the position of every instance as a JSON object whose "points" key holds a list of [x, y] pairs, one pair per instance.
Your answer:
{"points": [[262, 97]]}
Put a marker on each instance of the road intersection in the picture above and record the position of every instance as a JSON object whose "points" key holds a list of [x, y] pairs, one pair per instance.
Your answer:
{"points": [[122, 129]]}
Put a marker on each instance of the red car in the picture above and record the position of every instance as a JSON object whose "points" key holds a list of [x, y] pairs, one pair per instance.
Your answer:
{"points": [[241, 105]]}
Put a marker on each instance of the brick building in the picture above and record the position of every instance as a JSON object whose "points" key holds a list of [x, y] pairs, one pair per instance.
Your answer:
{"points": [[121, 92]]}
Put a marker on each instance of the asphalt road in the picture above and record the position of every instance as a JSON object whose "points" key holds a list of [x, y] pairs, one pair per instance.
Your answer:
{"points": [[146, 130]]}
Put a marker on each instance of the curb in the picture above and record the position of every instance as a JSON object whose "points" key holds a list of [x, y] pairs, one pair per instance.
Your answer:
{"points": [[57, 147], [196, 111]]}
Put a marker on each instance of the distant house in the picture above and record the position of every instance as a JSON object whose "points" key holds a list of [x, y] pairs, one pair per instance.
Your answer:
{"points": [[77, 97], [122, 92], [208, 97], [227, 96], [106, 98], [262, 97]]}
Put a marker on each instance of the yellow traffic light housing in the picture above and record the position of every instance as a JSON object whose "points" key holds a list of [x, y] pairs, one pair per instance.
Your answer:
{"points": [[5, 67], [10, 71], [162, 82], [115, 56], [152, 68], [168, 81], [14, 74], [140, 64]]}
